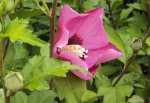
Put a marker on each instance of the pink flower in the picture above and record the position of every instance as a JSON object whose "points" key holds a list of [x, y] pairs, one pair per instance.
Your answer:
{"points": [[82, 40]]}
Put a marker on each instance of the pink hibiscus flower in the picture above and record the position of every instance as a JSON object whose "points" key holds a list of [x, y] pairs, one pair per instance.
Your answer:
{"points": [[82, 40]]}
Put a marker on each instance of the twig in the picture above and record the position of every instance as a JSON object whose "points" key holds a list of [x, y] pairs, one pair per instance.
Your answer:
{"points": [[38, 5], [1, 59], [131, 59], [46, 7], [52, 25], [6, 48], [110, 13]]}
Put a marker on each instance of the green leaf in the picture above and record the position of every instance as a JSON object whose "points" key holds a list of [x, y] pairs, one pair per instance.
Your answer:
{"points": [[138, 6], [89, 96], [23, 13], [16, 30], [73, 88], [44, 96], [39, 84], [108, 70], [117, 94], [135, 67], [19, 97], [128, 79], [135, 99], [125, 13], [115, 38], [40, 67]]}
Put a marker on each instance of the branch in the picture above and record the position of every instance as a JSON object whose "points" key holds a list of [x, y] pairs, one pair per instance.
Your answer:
{"points": [[131, 59], [110, 13], [46, 7], [6, 48], [52, 25], [38, 5]]}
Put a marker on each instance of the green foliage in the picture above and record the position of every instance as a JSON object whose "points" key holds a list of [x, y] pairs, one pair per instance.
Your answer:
{"points": [[48, 80], [45, 96], [16, 30], [117, 94], [89, 95], [73, 88]]}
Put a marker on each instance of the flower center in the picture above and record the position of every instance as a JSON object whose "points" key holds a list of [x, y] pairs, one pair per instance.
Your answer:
{"points": [[76, 49]]}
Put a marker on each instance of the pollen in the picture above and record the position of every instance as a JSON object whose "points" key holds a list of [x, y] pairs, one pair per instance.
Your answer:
{"points": [[76, 49]]}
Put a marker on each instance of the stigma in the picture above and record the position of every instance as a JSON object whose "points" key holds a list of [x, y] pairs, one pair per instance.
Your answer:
{"points": [[75, 49]]}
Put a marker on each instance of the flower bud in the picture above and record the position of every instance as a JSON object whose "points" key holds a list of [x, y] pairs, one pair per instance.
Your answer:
{"points": [[13, 81], [136, 44]]}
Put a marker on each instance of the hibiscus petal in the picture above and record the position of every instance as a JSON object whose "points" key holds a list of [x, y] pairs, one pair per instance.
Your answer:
{"points": [[108, 53], [61, 39], [66, 14], [93, 56], [74, 59], [92, 31], [75, 23]]}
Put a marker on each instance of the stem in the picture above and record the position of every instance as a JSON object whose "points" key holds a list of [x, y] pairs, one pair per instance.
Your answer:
{"points": [[52, 25], [1, 60], [110, 13], [46, 7], [131, 59], [7, 98], [38, 5], [6, 48]]}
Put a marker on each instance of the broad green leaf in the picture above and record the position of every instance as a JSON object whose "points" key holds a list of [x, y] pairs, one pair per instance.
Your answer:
{"points": [[138, 6], [19, 97], [135, 99], [23, 13], [39, 84], [108, 70], [89, 96], [128, 79], [44, 96], [101, 79], [41, 67], [117, 94], [73, 88], [16, 30], [135, 67], [140, 20], [115, 38], [125, 13]]}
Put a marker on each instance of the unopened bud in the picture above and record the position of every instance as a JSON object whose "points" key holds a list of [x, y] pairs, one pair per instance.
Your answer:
{"points": [[13, 81], [136, 44]]}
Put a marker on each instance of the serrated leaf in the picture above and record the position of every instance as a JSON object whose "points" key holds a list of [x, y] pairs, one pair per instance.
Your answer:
{"points": [[39, 84], [41, 67], [135, 99], [16, 30], [125, 13], [73, 88], [128, 79], [44, 96], [117, 94], [19, 97], [89, 96], [115, 38]]}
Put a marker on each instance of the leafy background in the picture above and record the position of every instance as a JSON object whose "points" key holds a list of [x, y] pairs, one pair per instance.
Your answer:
{"points": [[48, 80]]}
